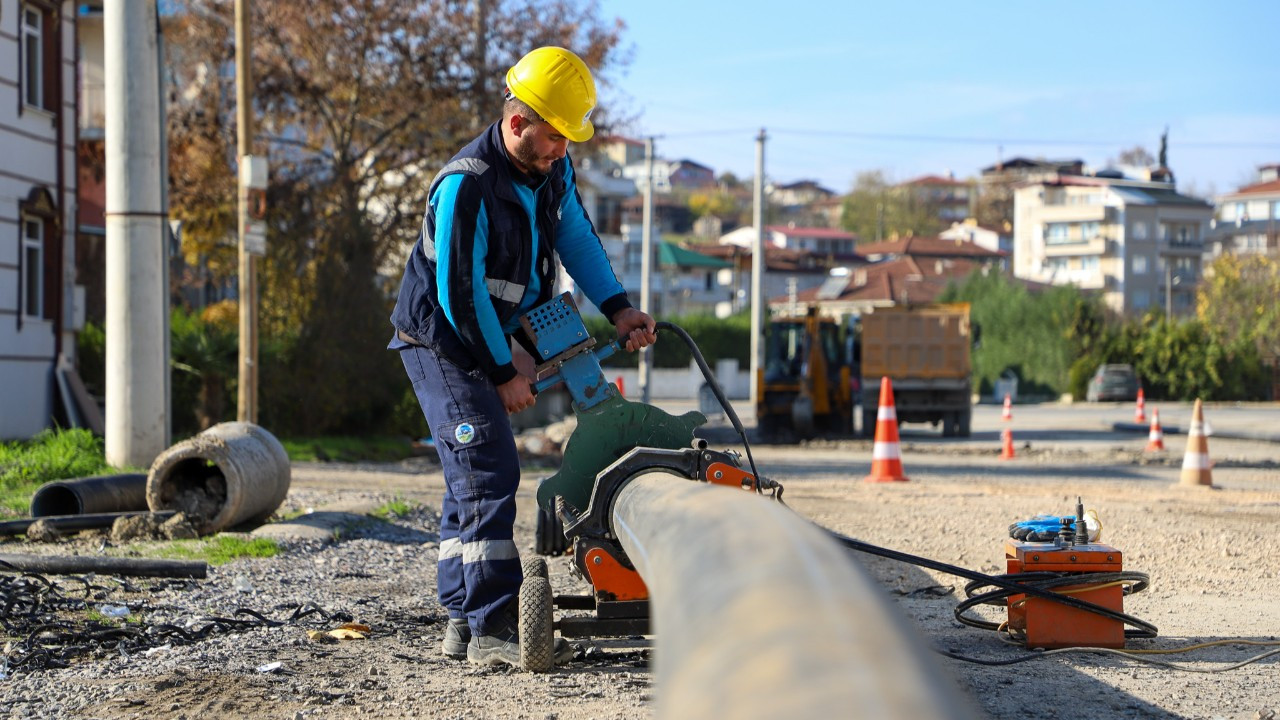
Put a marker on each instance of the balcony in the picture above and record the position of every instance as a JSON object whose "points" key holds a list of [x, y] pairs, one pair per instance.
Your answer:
{"points": [[1072, 213], [1097, 245]]}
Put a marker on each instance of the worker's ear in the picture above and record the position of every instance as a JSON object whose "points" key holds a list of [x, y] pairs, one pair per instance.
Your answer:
{"points": [[517, 125]]}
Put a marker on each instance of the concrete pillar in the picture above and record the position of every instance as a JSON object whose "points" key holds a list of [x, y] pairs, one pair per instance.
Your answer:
{"points": [[137, 300]]}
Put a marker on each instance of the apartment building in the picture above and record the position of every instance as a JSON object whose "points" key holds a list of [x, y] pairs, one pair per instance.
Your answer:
{"points": [[1137, 243], [38, 314], [1247, 220], [949, 198]]}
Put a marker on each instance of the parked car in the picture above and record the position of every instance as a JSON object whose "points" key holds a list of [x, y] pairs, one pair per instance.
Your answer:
{"points": [[1113, 381]]}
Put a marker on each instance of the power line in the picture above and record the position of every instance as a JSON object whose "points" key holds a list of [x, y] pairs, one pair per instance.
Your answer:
{"points": [[966, 140], [1014, 141]]}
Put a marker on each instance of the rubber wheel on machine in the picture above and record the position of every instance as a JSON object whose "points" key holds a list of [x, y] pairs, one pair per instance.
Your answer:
{"points": [[549, 537], [537, 636], [534, 567]]}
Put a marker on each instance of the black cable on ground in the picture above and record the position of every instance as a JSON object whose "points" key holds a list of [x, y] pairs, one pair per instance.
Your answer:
{"points": [[1019, 584], [1127, 654], [720, 397], [31, 605]]}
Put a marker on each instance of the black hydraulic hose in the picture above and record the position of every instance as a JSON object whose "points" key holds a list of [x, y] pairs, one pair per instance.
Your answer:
{"points": [[715, 388], [1014, 585]]}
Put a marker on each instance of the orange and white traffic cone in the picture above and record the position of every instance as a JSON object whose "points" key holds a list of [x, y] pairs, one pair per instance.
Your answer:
{"points": [[1195, 463], [1006, 438], [1140, 412], [886, 454], [1155, 438], [1008, 408]]}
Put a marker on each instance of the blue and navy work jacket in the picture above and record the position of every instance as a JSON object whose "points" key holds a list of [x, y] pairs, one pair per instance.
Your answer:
{"points": [[484, 257]]}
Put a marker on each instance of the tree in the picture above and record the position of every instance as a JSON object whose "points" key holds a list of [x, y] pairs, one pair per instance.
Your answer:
{"points": [[1136, 156], [875, 210], [1037, 335], [357, 104], [728, 181], [719, 204], [1237, 301]]}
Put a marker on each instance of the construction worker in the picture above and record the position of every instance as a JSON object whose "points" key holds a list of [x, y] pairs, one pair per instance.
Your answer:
{"points": [[497, 212]]}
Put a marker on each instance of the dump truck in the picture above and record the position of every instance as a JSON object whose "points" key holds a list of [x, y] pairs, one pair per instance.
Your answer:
{"points": [[806, 386], [924, 350]]}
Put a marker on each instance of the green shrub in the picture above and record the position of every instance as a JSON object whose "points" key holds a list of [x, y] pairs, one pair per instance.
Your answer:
{"points": [[716, 338], [51, 455]]}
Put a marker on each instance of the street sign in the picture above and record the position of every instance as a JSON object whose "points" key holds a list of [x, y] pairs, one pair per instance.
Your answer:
{"points": [[255, 237]]}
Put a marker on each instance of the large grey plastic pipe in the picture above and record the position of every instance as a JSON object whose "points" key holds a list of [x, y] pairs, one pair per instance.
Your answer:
{"points": [[759, 614], [232, 474]]}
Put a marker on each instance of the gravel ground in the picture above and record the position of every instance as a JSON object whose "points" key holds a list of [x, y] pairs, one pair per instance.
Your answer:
{"points": [[1210, 555]]}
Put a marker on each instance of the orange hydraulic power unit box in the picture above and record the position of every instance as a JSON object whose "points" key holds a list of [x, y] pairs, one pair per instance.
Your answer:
{"points": [[1049, 624]]}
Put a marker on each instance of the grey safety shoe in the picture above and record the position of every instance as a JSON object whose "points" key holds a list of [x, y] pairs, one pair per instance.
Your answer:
{"points": [[457, 634], [503, 646]]}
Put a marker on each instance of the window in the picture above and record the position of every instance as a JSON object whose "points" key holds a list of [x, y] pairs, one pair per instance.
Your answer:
{"points": [[32, 52], [32, 268], [1141, 299], [1057, 233], [1089, 262], [1139, 264], [1089, 230], [1140, 231]]}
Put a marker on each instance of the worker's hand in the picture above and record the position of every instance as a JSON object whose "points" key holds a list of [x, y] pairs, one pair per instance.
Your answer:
{"points": [[636, 327], [516, 394]]}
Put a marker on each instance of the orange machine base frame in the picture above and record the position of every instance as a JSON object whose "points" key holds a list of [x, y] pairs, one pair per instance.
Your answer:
{"points": [[1047, 624]]}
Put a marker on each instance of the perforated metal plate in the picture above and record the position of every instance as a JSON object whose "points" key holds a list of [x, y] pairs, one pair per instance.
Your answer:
{"points": [[555, 326]]}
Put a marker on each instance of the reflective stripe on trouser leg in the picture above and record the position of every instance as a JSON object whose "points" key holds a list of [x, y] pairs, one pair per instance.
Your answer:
{"points": [[479, 568]]}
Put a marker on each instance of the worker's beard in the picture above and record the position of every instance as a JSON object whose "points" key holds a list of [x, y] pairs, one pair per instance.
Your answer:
{"points": [[528, 159]]}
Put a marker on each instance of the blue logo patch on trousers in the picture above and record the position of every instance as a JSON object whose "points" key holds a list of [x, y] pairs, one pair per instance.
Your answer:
{"points": [[464, 433]]}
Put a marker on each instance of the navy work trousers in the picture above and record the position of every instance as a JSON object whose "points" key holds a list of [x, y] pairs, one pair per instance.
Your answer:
{"points": [[479, 571]]}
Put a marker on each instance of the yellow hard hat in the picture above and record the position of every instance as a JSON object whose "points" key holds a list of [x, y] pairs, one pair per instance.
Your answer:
{"points": [[558, 86]]}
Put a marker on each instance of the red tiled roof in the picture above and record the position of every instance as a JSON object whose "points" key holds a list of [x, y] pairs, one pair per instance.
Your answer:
{"points": [[895, 280], [812, 232], [1272, 186], [928, 247], [780, 259]]}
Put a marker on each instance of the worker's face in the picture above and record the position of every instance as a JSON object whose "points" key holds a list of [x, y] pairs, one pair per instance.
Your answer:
{"points": [[538, 145]]}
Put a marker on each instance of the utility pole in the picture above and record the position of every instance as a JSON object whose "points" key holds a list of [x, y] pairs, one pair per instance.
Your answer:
{"points": [[137, 299], [646, 266], [758, 309], [247, 393]]}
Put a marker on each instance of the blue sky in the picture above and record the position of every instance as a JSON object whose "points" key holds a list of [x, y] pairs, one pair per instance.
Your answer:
{"points": [[914, 88]]}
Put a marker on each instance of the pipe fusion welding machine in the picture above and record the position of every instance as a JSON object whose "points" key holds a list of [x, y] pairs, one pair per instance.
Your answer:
{"points": [[615, 440]]}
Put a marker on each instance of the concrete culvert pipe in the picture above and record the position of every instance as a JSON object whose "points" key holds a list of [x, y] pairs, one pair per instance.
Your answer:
{"points": [[231, 474], [92, 495]]}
